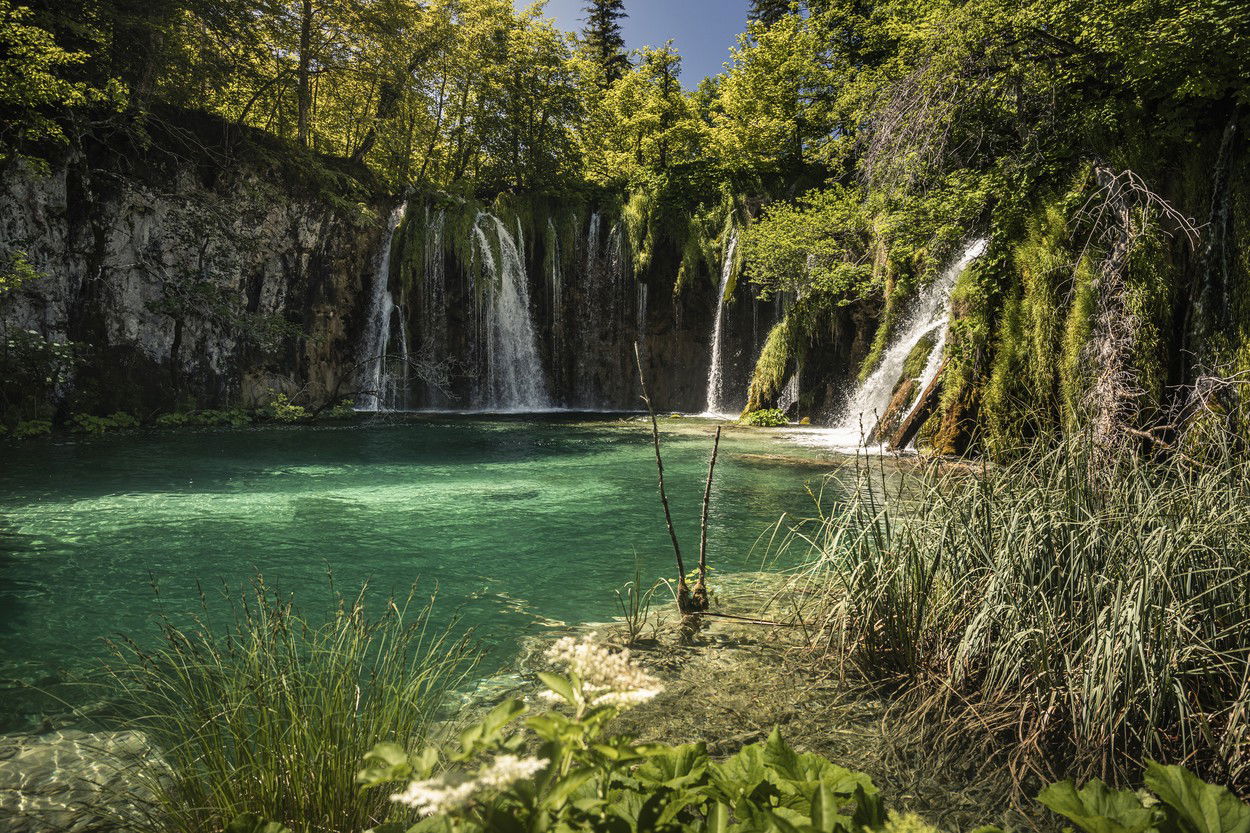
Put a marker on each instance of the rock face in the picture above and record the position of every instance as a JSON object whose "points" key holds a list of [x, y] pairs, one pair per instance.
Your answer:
{"points": [[202, 285], [70, 781], [210, 277]]}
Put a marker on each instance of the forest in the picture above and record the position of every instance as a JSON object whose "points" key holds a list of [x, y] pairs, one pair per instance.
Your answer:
{"points": [[304, 296], [1098, 145]]}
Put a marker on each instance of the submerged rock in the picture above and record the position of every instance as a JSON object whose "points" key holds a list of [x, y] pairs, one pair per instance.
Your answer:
{"points": [[70, 780]]}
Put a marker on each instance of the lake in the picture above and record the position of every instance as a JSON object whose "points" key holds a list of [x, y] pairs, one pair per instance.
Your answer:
{"points": [[520, 523]]}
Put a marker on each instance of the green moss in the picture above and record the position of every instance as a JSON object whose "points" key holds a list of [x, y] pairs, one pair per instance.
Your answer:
{"points": [[1073, 373], [770, 374], [914, 364]]}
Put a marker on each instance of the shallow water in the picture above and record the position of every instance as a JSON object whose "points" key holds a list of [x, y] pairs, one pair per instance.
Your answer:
{"points": [[522, 523]]}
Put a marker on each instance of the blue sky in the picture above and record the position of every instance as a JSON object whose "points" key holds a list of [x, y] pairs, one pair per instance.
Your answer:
{"points": [[702, 30]]}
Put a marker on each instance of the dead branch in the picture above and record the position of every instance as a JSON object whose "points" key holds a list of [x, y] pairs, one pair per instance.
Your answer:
{"points": [[700, 599], [684, 601]]}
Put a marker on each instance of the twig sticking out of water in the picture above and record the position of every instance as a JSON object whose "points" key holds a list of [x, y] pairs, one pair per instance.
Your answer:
{"points": [[699, 599], [684, 602]]}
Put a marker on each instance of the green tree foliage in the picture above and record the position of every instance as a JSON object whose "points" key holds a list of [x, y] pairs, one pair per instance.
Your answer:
{"points": [[34, 81], [768, 12], [602, 38]]}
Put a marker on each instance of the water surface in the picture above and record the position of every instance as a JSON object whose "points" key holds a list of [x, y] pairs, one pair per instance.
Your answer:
{"points": [[523, 524]]}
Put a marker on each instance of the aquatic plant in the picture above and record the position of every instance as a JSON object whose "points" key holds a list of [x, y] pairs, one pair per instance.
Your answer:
{"points": [[635, 604], [267, 717]]}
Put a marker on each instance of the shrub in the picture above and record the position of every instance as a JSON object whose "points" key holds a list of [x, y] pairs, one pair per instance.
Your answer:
{"points": [[235, 418], [268, 716], [281, 409], [766, 418], [32, 428], [177, 419], [91, 424], [345, 409]]}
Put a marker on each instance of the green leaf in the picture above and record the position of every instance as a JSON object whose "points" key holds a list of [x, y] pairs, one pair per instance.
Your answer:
{"points": [[502, 715], [824, 808], [718, 818], [560, 685], [1199, 807], [1096, 808], [566, 786], [384, 763]]}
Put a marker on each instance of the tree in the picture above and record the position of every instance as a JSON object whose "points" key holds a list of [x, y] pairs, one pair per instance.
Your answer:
{"points": [[602, 37], [768, 12], [33, 81]]}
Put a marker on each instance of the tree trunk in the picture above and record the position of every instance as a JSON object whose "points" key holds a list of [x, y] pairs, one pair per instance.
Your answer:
{"points": [[925, 406], [305, 62]]}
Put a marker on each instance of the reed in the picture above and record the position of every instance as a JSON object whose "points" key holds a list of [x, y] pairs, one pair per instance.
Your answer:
{"points": [[271, 715], [1063, 620]]}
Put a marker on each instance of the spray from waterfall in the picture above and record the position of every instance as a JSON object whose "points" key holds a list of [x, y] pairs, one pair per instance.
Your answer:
{"points": [[715, 405], [930, 315], [373, 377], [514, 376]]}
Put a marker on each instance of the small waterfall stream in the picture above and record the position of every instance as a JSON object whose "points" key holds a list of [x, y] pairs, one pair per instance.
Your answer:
{"points": [[715, 405], [929, 315], [373, 380], [514, 376]]}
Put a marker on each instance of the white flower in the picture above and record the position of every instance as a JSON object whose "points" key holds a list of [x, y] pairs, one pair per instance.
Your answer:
{"points": [[608, 677], [508, 769], [625, 699], [437, 796], [454, 790]]}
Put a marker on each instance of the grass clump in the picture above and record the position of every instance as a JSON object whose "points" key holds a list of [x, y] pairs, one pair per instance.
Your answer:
{"points": [[1062, 618], [269, 716]]}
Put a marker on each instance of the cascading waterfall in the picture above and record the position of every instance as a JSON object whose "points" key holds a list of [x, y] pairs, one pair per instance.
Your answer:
{"points": [[640, 310], [373, 379], [555, 291], [715, 378], [931, 314], [433, 298], [514, 376]]}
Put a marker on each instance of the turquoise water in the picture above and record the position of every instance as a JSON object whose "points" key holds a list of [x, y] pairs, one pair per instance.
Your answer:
{"points": [[523, 524]]}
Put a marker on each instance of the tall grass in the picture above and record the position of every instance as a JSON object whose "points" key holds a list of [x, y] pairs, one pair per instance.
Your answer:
{"points": [[1064, 620], [272, 715]]}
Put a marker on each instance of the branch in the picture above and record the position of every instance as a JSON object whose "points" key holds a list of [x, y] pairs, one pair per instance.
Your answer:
{"points": [[684, 604]]}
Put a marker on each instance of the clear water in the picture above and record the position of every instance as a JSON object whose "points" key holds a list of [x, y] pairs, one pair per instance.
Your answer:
{"points": [[523, 524]]}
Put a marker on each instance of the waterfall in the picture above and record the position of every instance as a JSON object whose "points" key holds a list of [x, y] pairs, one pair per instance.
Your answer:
{"points": [[555, 291], [715, 380], [433, 301], [514, 377], [372, 379], [640, 309], [930, 314], [789, 395]]}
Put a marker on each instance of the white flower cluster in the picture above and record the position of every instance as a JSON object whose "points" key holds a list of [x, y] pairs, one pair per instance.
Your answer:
{"points": [[453, 790], [609, 678]]}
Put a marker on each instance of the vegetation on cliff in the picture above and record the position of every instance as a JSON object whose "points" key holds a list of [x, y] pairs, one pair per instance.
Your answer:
{"points": [[1099, 144]]}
